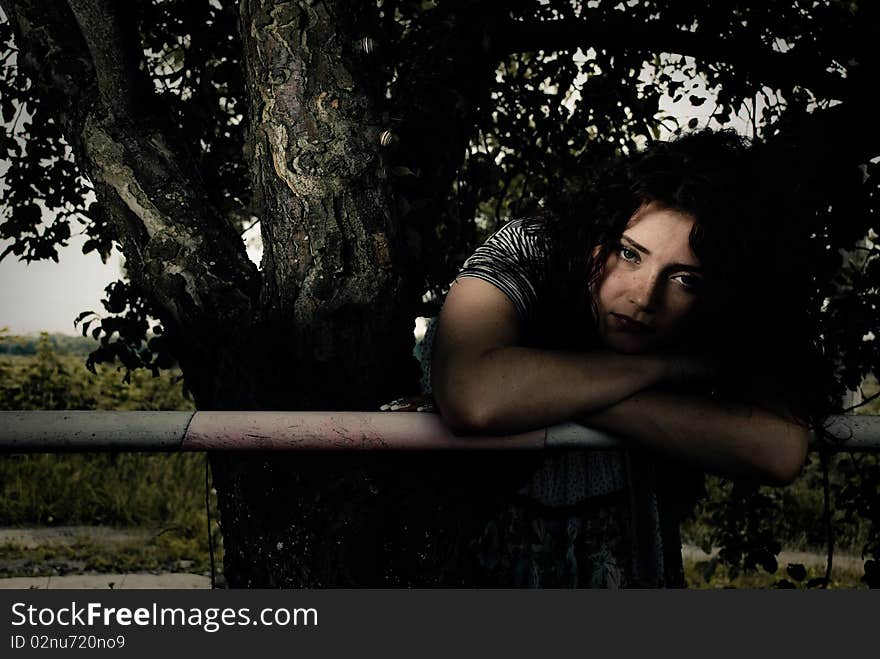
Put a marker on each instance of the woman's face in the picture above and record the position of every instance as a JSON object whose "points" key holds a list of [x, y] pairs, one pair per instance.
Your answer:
{"points": [[651, 282]]}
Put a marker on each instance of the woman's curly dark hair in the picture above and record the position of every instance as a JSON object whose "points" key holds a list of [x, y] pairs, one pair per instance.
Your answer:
{"points": [[756, 318]]}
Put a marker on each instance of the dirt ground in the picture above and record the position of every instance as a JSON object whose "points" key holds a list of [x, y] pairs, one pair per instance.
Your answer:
{"points": [[23, 545]]}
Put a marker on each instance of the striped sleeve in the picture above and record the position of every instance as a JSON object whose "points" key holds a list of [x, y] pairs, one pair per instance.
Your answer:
{"points": [[510, 260]]}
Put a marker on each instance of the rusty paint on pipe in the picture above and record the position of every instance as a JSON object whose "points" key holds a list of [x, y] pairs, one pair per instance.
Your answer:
{"points": [[274, 431]]}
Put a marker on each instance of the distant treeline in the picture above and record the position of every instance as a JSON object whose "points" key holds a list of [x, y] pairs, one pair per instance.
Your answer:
{"points": [[48, 372], [65, 344]]}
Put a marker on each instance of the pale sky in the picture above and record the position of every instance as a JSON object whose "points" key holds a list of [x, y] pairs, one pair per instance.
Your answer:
{"points": [[47, 296]]}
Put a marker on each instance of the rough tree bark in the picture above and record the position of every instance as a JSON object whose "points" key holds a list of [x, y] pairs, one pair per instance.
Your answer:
{"points": [[334, 319]]}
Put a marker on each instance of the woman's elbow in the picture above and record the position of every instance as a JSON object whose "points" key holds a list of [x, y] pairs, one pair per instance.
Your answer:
{"points": [[786, 464], [465, 415]]}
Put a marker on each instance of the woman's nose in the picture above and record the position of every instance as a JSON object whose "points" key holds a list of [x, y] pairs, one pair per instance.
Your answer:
{"points": [[645, 292]]}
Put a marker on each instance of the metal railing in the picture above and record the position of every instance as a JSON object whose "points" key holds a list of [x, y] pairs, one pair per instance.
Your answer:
{"points": [[72, 431]]}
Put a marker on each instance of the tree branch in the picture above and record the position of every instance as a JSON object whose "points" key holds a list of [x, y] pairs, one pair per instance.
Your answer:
{"points": [[111, 35], [181, 253], [441, 87], [773, 68]]}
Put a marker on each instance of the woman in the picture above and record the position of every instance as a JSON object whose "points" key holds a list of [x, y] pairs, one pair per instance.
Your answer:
{"points": [[636, 309]]}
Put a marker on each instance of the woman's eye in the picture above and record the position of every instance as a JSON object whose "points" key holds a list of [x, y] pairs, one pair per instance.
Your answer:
{"points": [[690, 282], [628, 254]]}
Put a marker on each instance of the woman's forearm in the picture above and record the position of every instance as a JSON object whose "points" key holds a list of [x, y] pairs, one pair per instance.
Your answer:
{"points": [[511, 389], [729, 439]]}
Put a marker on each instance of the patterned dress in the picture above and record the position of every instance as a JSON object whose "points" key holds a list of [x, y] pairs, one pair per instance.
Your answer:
{"points": [[569, 518]]}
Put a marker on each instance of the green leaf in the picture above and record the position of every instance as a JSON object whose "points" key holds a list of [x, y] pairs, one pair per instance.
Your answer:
{"points": [[8, 109], [769, 563], [707, 568], [796, 571], [27, 215]]}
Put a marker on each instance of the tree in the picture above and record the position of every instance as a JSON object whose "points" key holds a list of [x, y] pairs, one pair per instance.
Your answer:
{"points": [[365, 138]]}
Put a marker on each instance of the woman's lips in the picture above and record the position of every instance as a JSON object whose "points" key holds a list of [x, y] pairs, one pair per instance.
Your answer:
{"points": [[627, 324]]}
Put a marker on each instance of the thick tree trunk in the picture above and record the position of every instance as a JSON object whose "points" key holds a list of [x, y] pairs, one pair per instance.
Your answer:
{"points": [[334, 298], [334, 325]]}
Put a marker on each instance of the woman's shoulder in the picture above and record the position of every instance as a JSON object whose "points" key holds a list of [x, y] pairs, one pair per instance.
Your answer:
{"points": [[519, 242], [512, 260], [523, 236], [522, 226]]}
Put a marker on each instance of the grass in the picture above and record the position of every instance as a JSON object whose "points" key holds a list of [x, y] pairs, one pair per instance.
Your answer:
{"points": [[706, 575], [163, 495], [121, 489], [159, 552]]}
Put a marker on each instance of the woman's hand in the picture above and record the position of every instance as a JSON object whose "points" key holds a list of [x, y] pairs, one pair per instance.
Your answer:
{"points": [[731, 439], [421, 403]]}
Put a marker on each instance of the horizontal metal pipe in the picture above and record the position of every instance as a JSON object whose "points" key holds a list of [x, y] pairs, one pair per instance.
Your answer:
{"points": [[60, 431], [852, 432], [51, 431]]}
